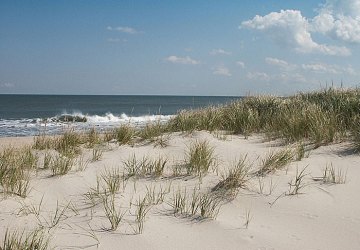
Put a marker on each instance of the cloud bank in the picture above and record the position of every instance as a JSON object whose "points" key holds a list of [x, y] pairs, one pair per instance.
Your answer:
{"points": [[337, 19]]}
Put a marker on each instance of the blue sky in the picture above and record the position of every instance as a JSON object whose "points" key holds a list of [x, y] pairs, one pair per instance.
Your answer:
{"points": [[178, 47]]}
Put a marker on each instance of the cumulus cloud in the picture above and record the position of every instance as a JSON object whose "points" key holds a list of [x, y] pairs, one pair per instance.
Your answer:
{"points": [[339, 19], [219, 52], [241, 64], [280, 63], [182, 60], [221, 70], [289, 28], [122, 29]]}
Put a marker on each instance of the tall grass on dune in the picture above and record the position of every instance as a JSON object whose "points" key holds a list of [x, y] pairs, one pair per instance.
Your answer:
{"points": [[200, 158], [15, 169], [232, 180], [319, 118], [355, 133], [124, 134]]}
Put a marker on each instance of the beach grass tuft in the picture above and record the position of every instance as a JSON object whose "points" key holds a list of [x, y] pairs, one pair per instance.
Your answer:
{"points": [[199, 158], [15, 240], [275, 160], [235, 178]]}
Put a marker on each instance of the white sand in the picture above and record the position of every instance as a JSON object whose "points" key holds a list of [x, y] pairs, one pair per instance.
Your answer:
{"points": [[323, 216]]}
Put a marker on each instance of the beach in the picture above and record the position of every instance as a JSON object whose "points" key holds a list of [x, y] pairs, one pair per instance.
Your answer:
{"points": [[266, 211]]}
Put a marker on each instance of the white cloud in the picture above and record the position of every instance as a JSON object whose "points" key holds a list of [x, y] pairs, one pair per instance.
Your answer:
{"points": [[258, 76], [221, 70], [328, 68], [7, 85], [127, 30], [182, 60], [280, 63], [241, 64], [289, 28], [219, 52], [339, 19]]}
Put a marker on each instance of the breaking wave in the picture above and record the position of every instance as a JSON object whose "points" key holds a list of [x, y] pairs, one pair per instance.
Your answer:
{"points": [[77, 120]]}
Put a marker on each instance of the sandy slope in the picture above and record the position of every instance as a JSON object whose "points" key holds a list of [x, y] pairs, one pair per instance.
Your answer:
{"points": [[322, 217]]}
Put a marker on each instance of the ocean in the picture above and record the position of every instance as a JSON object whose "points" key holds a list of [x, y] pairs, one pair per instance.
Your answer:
{"points": [[26, 115]]}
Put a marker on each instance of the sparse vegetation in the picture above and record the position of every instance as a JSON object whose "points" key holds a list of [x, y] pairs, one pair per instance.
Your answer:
{"points": [[142, 209], [199, 158], [15, 168], [124, 134], [113, 214], [331, 175], [145, 167], [198, 205], [15, 240], [96, 154], [298, 182], [61, 165], [233, 179], [275, 160]]}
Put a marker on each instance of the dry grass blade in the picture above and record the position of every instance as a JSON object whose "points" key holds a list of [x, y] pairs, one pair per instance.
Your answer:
{"points": [[36, 240], [199, 158], [235, 178], [113, 214], [275, 160], [298, 183]]}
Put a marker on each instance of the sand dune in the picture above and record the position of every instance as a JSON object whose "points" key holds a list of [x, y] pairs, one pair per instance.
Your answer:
{"points": [[261, 216]]}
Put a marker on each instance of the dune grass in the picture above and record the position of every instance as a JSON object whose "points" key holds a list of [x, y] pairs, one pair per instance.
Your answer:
{"points": [[196, 205], [199, 158], [331, 175], [319, 118], [15, 169], [15, 240], [275, 160], [124, 134], [234, 179], [113, 213], [144, 167]]}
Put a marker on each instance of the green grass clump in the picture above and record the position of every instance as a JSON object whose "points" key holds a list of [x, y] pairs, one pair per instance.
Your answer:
{"points": [[36, 240], [235, 178], [15, 168], [145, 167], [151, 131], [43, 142], [92, 138], [61, 165], [199, 158], [197, 205], [331, 175], [276, 160], [69, 143], [124, 134], [113, 214], [112, 180], [355, 133]]}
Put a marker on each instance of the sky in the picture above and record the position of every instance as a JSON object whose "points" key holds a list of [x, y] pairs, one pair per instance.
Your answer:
{"points": [[197, 47]]}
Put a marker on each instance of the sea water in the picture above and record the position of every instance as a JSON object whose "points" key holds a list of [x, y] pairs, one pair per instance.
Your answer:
{"points": [[25, 115]]}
